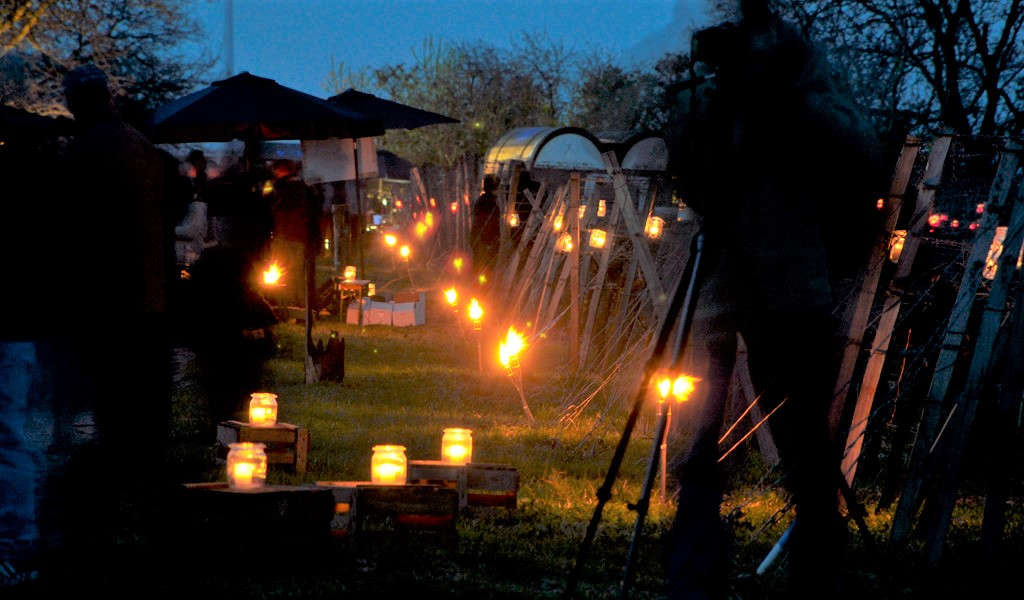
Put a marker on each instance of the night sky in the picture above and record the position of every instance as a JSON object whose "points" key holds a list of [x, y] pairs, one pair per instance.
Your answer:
{"points": [[294, 41]]}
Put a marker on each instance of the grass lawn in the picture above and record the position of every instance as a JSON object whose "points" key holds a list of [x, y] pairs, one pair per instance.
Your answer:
{"points": [[404, 385]]}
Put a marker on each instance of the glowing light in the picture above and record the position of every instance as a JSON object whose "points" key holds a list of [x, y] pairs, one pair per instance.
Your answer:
{"points": [[388, 465], [451, 296], [597, 238], [429, 219], [896, 241], [421, 228], [602, 208], [654, 227], [583, 210], [349, 273], [557, 226], [273, 274], [980, 208], [565, 242], [404, 252], [973, 226], [457, 263], [457, 445], [246, 465], [682, 387], [454, 207], [262, 409], [934, 220], [510, 348], [398, 204], [880, 203], [390, 240], [955, 224], [995, 250], [476, 312], [481, 278], [433, 203], [664, 386], [327, 243], [513, 220], [268, 187]]}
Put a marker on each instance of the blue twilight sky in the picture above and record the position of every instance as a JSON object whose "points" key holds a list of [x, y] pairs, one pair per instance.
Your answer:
{"points": [[294, 41]]}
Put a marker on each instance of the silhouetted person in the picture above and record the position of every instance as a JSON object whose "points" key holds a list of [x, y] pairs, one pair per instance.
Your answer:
{"points": [[485, 228], [759, 152]]}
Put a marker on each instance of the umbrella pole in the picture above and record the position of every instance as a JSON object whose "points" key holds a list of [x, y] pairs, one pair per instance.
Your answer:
{"points": [[359, 208]]}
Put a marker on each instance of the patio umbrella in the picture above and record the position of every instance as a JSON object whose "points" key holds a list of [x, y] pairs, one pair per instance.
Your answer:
{"points": [[392, 115], [252, 108]]}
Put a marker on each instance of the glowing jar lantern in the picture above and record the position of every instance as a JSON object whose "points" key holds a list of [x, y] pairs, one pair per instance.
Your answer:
{"points": [[457, 446], [262, 409], [557, 225], [247, 466], [899, 237], [476, 313], [457, 263], [273, 274], [454, 207], [655, 225], [680, 388], [268, 187], [404, 252], [451, 296], [583, 210], [597, 238], [388, 465], [602, 208], [565, 242], [513, 220], [371, 289], [390, 240], [880, 203], [350, 273]]}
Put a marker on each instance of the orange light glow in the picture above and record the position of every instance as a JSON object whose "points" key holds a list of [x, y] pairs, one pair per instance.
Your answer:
{"points": [[350, 273], [268, 187], [934, 220], [273, 274], [602, 208], [565, 242], [880, 203], [513, 220], [457, 263], [476, 312], [510, 348], [583, 210], [404, 252], [597, 238], [482, 279], [955, 224], [421, 229], [557, 226], [454, 207], [980, 208], [433, 203], [398, 204], [655, 225], [429, 219], [664, 386], [682, 387], [451, 296], [390, 240], [899, 237]]}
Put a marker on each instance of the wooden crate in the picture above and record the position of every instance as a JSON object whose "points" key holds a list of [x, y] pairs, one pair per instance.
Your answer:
{"points": [[477, 484], [359, 505], [286, 445]]}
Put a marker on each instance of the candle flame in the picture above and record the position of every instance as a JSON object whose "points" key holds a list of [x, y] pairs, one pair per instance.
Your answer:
{"points": [[510, 348], [513, 220], [404, 252], [454, 207], [457, 263], [273, 274], [683, 387], [558, 223], [664, 387], [451, 296]]}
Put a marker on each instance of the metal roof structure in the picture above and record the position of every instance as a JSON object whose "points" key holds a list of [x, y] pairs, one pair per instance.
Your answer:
{"points": [[559, 148]]}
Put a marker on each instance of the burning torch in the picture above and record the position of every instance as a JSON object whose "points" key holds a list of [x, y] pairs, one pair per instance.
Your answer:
{"points": [[508, 354]]}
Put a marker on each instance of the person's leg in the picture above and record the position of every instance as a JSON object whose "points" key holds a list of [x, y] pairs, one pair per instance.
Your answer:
{"points": [[697, 554], [790, 358]]}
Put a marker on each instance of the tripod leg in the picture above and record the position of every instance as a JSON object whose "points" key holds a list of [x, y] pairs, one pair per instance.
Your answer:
{"points": [[644, 503]]}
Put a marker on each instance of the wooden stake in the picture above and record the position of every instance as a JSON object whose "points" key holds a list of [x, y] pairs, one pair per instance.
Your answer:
{"points": [[977, 374], [856, 318], [891, 307], [950, 349], [574, 272]]}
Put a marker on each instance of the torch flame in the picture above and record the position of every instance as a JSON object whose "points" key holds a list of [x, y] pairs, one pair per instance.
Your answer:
{"points": [[476, 312], [390, 240], [451, 296], [683, 387], [664, 387], [272, 276], [457, 263], [404, 252], [511, 347]]}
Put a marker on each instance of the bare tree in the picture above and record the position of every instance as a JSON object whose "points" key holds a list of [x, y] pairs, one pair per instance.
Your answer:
{"points": [[925, 64]]}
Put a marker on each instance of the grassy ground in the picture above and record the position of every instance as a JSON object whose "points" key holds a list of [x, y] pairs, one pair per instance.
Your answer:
{"points": [[405, 385]]}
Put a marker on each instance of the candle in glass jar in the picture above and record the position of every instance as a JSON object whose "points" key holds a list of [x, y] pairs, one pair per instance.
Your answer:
{"points": [[388, 465], [457, 445]]}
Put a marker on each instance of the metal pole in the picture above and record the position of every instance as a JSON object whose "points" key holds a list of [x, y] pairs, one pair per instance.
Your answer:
{"points": [[359, 210]]}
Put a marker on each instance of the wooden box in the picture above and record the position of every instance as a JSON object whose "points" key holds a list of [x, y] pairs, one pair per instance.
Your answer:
{"points": [[477, 484], [286, 445], [361, 504]]}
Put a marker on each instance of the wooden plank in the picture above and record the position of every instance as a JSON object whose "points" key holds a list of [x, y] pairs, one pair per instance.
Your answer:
{"points": [[598, 284], [891, 308], [977, 376], [533, 223], [856, 318], [574, 272], [951, 343], [741, 378], [546, 240], [229, 432], [507, 201], [636, 232]]}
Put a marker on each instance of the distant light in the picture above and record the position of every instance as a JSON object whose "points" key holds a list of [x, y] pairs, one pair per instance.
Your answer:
{"points": [[404, 252], [980, 208], [880, 203]]}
